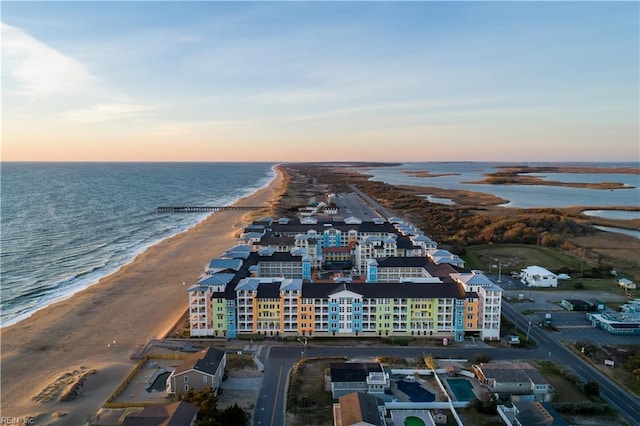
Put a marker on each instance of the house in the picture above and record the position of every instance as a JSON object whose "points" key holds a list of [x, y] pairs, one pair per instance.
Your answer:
{"points": [[530, 414], [199, 371], [517, 381], [177, 414], [536, 276], [367, 377], [627, 284], [358, 409]]}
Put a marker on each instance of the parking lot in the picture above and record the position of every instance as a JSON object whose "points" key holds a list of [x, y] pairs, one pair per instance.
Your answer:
{"points": [[570, 326]]}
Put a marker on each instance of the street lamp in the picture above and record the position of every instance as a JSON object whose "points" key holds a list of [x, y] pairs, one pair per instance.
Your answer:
{"points": [[499, 270], [306, 340]]}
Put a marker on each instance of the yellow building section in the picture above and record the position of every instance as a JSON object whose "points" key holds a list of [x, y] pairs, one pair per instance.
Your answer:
{"points": [[471, 313], [268, 316], [422, 314], [306, 318], [219, 315]]}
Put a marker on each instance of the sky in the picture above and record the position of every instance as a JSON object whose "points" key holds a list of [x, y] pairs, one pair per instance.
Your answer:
{"points": [[320, 81]]}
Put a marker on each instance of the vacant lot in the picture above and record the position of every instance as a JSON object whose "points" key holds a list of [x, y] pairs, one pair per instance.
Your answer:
{"points": [[308, 404], [515, 257]]}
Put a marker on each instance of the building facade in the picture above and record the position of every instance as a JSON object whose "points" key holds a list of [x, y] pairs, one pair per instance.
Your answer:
{"points": [[261, 290]]}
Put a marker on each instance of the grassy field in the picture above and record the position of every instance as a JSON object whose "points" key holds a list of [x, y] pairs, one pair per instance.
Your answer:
{"points": [[515, 257]]}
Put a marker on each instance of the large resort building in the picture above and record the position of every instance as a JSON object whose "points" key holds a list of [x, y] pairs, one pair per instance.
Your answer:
{"points": [[341, 278]]}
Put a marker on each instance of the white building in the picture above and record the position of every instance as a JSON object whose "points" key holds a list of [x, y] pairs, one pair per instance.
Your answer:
{"points": [[490, 296], [536, 276]]}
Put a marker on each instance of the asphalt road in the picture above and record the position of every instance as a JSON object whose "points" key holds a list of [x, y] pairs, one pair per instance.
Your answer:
{"points": [[626, 404], [270, 408]]}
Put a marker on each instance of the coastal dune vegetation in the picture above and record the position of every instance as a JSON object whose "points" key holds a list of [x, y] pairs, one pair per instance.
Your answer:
{"points": [[475, 222]]}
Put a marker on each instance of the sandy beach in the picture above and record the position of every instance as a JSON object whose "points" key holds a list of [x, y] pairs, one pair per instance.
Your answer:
{"points": [[140, 302]]}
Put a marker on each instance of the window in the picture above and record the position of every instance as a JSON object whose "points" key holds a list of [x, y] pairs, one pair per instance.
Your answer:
{"points": [[204, 379], [186, 379], [186, 387]]}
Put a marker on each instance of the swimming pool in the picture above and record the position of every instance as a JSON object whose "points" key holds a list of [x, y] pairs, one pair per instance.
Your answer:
{"points": [[415, 392], [160, 382], [462, 389]]}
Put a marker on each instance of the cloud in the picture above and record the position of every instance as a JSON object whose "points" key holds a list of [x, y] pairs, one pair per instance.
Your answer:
{"points": [[42, 73], [107, 112], [39, 70]]}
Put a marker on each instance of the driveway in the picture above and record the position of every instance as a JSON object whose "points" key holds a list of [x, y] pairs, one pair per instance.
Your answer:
{"points": [[242, 383]]}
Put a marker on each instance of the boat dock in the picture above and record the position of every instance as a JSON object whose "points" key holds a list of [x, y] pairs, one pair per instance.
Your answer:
{"points": [[203, 209]]}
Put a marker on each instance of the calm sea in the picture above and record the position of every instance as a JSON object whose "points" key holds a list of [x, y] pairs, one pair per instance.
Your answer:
{"points": [[66, 225], [458, 174]]}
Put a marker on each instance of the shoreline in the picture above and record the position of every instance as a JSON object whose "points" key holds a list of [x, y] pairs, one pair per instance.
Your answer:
{"points": [[99, 327], [26, 313]]}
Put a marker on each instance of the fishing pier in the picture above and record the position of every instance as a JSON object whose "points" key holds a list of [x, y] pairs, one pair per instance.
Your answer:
{"points": [[203, 209]]}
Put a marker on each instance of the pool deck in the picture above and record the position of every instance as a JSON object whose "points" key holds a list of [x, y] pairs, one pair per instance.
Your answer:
{"points": [[398, 416], [136, 390]]}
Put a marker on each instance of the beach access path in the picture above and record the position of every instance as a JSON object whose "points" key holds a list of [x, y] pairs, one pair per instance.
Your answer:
{"points": [[99, 328]]}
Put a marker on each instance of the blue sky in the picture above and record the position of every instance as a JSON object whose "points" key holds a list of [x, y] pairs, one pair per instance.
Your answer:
{"points": [[315, 81]]}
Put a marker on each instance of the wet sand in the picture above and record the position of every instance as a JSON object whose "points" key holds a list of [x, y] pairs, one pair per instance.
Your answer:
{"points": [[140, 302]]}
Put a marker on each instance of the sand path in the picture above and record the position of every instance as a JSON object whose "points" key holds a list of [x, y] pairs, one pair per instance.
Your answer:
{"points": [[140, 302]]}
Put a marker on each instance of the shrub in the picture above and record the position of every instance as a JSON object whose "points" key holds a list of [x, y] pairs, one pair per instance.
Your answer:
{"points": [[481, 358]]}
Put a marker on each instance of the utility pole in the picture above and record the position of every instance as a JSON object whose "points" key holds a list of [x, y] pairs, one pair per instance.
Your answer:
{"points": [[528, 330]]}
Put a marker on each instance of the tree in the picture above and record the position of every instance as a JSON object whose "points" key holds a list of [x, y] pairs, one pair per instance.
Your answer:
{"points": [[592, 389], [234, 415]]}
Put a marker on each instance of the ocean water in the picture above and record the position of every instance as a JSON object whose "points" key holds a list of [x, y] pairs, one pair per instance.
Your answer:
{"points": [[458, 175], [66, 225]]}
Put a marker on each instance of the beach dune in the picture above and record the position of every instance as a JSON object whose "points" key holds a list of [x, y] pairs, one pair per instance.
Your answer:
{"points": [[100, 327]]}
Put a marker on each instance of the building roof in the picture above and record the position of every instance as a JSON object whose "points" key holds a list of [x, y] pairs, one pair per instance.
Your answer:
{"points": [[206, 361], [386, 290], [471, 278], [357, 407], [294, 226], [219, 265], [512, 372], [538, 414], [537, 270], [404, 262], [279, 256], [353, 371], [176, 414], [220, 278]]}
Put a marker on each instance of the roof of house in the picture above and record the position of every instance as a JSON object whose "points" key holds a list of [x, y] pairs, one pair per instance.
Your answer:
{"points": [[353, 371], [176, 414], [512, 372], [537, 270], [538, 414], [206, 361], [359, 407]]}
